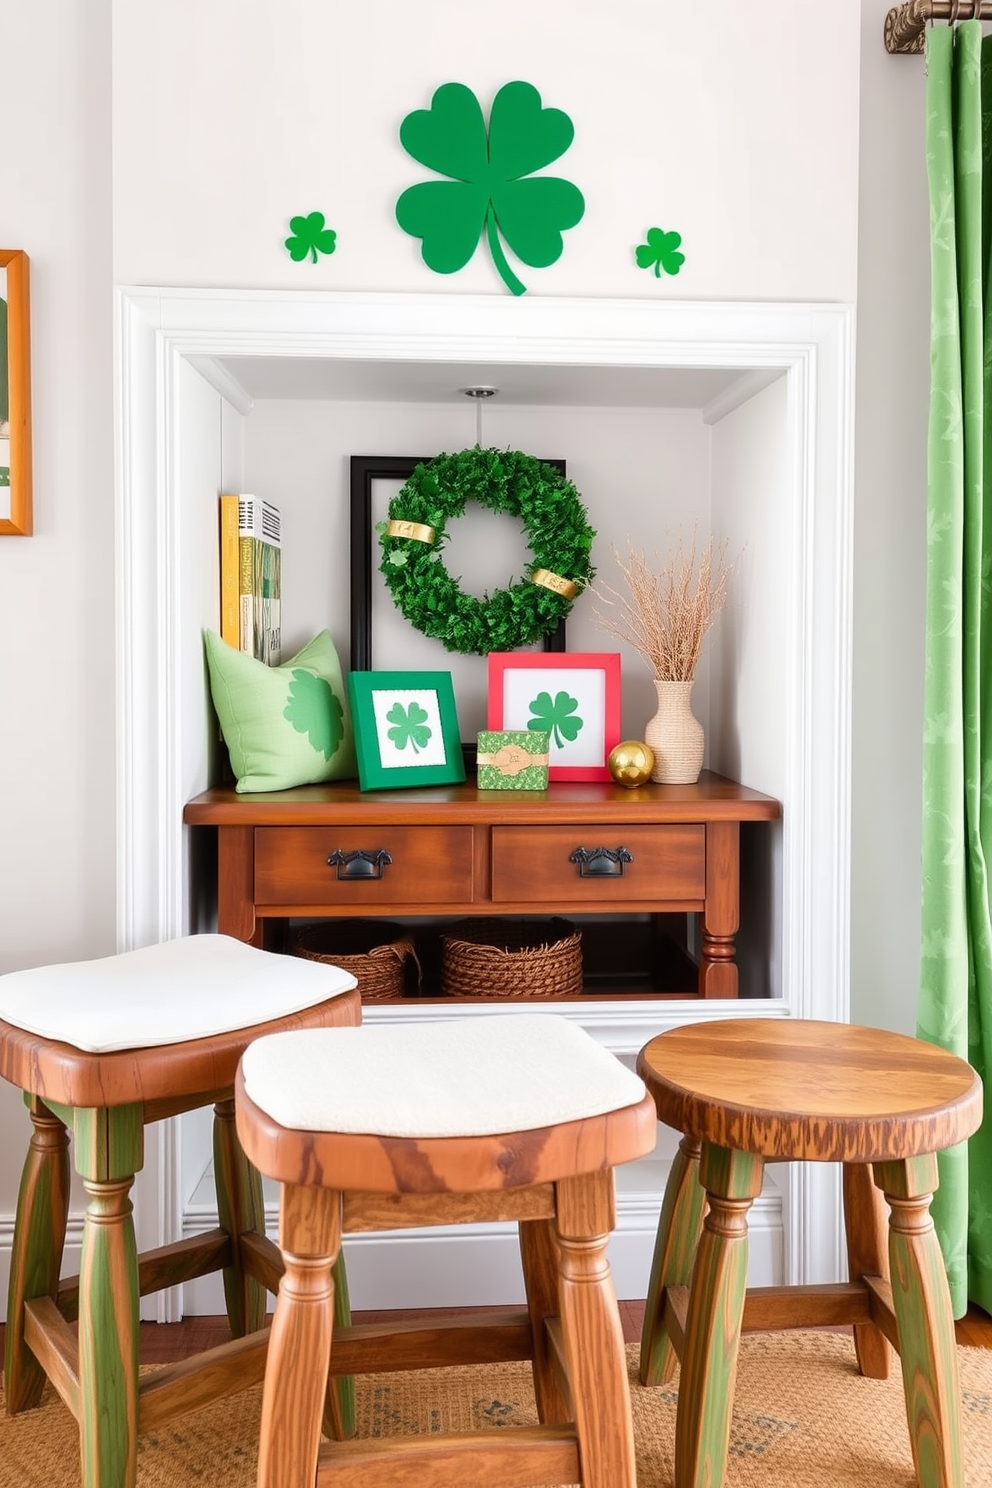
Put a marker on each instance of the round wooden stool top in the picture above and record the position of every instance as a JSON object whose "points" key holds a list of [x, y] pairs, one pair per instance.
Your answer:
{"points": [[796, 1088]]}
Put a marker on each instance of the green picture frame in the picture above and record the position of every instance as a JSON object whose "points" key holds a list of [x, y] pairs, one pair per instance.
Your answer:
{"points": [[406, 729]]}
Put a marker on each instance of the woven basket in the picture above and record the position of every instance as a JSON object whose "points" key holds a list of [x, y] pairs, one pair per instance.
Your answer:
{"points": [[511, 958], [374, 951]]}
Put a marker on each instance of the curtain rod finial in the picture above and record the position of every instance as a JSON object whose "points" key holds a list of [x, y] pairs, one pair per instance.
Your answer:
{"points": [[905, 27]]}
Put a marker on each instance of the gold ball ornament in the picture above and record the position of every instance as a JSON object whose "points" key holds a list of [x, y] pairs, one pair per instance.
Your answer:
{"points": [[631, 763]]}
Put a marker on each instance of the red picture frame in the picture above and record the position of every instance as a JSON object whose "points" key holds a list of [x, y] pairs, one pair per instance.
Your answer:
{"points": [[555, 691]]}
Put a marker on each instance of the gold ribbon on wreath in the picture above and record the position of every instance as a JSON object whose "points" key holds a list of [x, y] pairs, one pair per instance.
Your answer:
{"points": [[553, 581], [419, 531]]}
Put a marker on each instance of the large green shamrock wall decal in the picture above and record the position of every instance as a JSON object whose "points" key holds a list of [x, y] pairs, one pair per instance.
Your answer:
{"points": [[313, 710], [556, 716], [310, 237], [409, 726], [492, 187], [661, 250]]}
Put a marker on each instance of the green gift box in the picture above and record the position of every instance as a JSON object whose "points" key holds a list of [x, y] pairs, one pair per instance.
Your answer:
{"points": [[513, 759]]}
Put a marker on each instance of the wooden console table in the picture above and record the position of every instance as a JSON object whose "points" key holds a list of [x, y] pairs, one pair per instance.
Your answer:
{"points": [[597, 848]]}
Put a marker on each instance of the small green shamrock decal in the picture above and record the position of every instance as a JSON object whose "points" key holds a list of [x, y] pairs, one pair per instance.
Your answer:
{"points": [[313, 710], [488, 190], [409, 726], [555, 717], [662, 250], [310, 236]]}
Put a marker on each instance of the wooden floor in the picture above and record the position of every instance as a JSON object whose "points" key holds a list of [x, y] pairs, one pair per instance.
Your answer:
{"points": [[162, 1343]]}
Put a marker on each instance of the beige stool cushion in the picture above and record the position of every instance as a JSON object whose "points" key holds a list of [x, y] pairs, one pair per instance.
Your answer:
{"points": [[466, 1078], [190, 988]]}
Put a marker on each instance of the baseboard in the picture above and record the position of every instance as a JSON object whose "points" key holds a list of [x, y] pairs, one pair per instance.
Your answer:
{"points": [[451, 1266], [479, 1265]]}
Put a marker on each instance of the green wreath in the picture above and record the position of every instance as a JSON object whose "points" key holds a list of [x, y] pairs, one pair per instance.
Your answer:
{"points": [[413, 537]]}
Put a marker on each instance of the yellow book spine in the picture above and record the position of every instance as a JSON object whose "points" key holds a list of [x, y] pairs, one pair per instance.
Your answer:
{"points": [[230, 616]]}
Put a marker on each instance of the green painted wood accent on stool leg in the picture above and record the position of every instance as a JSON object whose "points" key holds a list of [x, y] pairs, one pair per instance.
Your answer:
{"points": [[108, 1149], [239, 1208], [108, 1338], [674, 1247], [108, 1141], [732, 1181], [36, 1256], [922, 1304], [339, 1402]]}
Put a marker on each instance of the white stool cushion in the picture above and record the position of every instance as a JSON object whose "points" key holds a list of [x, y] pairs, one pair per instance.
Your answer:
{"points": [[474, 1077], [165, 994]]}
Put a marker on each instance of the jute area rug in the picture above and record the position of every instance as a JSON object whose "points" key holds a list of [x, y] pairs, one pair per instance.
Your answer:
{"points": [[802, 1415]]}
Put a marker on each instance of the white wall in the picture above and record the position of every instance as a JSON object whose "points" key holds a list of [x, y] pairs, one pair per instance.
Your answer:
{"points": [[736, 125], [57, 767], [893, 380]]}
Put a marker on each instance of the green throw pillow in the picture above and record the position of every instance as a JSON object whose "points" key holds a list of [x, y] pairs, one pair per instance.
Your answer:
{"points": [[285, 725]]}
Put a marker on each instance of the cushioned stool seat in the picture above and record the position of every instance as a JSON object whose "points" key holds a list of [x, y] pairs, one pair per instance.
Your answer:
{"points": [[100, 1048], [503, 1117], [746, 1091]]}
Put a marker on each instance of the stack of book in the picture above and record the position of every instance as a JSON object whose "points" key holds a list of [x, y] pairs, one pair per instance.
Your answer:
{"points": [[251, 576]]}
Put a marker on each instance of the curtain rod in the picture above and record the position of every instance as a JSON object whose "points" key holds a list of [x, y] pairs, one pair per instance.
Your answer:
{"points": [[905, 25]]}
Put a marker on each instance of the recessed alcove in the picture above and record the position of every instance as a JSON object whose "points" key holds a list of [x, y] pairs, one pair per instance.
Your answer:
{"points": [[735, 418]]}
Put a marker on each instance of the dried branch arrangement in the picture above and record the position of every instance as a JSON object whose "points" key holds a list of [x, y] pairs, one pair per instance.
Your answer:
{"points": [[668, 612]]}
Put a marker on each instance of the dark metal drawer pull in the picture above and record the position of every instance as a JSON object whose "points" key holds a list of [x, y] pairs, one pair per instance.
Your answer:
{"points": [[601, 862], [358, 864]]}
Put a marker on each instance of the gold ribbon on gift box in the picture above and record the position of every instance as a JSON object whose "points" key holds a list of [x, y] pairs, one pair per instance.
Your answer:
{"points": [[419, 531], [511, 759], [553, 581]]}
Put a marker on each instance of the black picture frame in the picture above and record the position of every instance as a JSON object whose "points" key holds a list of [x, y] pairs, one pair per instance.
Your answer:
{"points": [[364, 470]]}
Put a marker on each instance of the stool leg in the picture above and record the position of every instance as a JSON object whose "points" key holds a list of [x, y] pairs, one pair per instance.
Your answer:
{"points": [[300, 1342], [594, 1348], [108, 1338], [674, 1247], [922, 1304], [36, 1255], [539, 1257], [240, 1209], [864, 1226], [339, 1402], [713, 1326]]}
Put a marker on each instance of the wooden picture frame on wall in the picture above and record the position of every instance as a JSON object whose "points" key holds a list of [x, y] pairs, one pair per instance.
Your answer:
{"points": [[15, 395]]}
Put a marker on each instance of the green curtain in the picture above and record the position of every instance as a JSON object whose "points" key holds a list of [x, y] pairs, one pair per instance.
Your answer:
{"points": [[955, 1003]]}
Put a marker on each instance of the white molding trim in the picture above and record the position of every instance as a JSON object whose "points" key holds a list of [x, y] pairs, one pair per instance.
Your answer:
{"points": [[224, 382], [811, 344]]}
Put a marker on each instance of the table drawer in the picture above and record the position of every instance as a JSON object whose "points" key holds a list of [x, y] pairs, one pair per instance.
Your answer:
{"points": [[583, 865], [369, 865]]}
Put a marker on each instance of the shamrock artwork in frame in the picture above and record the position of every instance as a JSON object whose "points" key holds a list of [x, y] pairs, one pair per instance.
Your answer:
{"points": [[406, 729], [574, 696]]}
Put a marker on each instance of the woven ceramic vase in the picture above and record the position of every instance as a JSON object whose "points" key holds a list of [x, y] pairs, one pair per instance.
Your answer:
{"points": [[675, 735]]}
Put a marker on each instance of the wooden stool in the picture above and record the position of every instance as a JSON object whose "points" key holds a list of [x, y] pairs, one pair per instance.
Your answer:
{"points": [[745, 1091], [506, 1117], [102, 1048]]}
